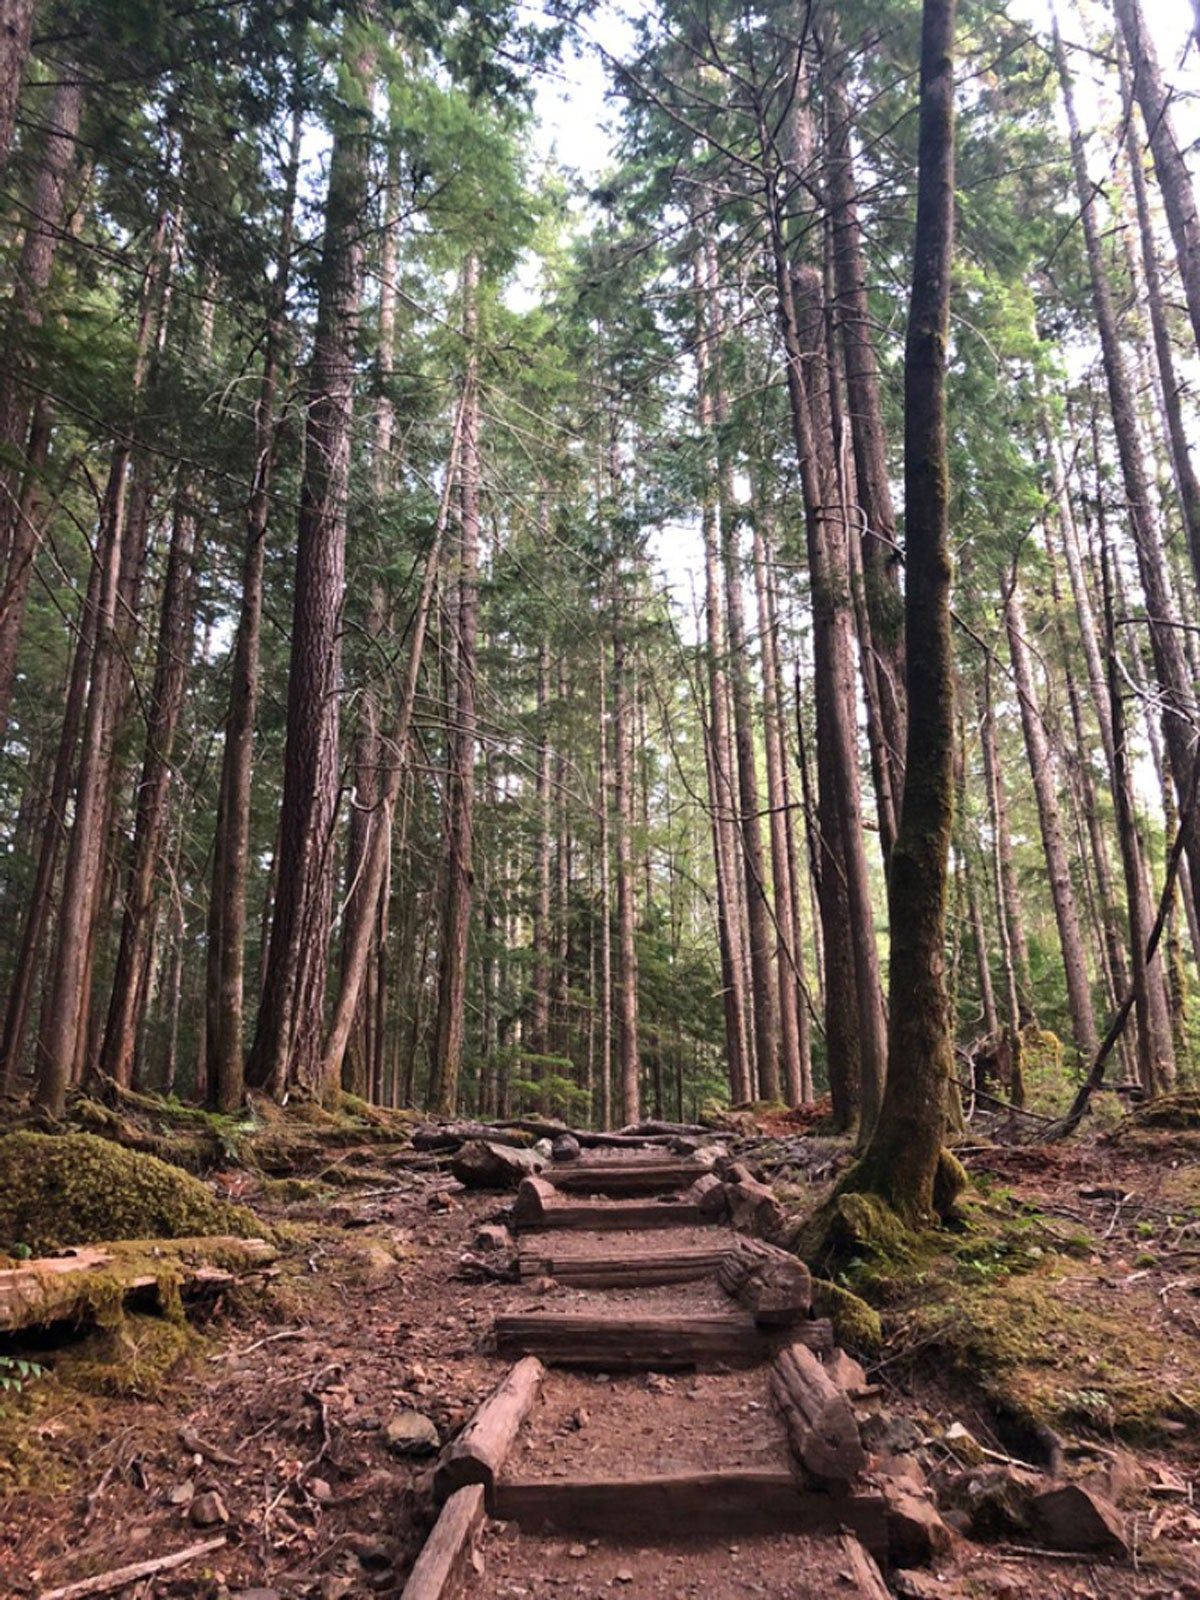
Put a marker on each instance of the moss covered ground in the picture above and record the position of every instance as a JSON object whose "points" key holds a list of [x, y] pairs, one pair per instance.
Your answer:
{"points": [[77, 1188]]}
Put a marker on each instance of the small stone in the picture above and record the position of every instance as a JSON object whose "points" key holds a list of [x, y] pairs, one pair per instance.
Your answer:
{"points": [[578, 1419], [208, 1510], [544, 1148], [577, 1552], [624, 1576], [411, 1433], [491, 1236], [1070, 1517], [847, 1373], [565, 1148], [320, 1489], [183, 1493], [916, 1533]]}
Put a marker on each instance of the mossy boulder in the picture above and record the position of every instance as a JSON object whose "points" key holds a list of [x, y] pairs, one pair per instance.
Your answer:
{"points": [[76, 1188]]}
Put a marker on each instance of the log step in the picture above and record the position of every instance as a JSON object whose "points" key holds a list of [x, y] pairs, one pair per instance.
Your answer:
{"points": [[538, 1205], [607, 1343], [678, 1504], [626, 1178], [616, 1271]]}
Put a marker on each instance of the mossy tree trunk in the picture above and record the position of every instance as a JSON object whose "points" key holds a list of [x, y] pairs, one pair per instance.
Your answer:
{"points": [[901, 1161]]}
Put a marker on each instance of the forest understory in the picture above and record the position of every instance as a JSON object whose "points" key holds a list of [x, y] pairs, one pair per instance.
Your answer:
{"points": [[1050, 1334]]}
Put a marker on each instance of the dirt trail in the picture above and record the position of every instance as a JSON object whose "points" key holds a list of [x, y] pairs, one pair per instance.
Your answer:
{"points": [[283, 1406]]}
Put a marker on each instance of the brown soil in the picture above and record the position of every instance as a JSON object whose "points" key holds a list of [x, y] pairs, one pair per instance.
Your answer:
{"points": [[649, 1423], [786, 1567]]}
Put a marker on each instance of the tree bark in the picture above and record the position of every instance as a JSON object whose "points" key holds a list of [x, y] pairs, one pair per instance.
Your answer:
{"points": [[1170, 664], [1187, 486], [628, 1053], [226, 958], [460, 799], [16, 29], [880, 551], [1058, 869], [289, 1036], [64, 1019], [1174, 180], [902, 1159], [153, 793]]}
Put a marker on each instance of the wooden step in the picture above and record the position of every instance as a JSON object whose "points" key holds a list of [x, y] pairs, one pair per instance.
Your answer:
{"points": [[626, 1178], [612, 1343], [538, 1205], [627, 1270], [678, 1504]]}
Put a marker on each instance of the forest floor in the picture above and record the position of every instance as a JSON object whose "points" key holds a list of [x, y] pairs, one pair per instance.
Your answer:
{"points": [[1068, 1309]]}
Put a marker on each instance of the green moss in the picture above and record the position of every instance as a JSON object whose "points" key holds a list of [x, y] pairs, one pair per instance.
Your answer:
{"points": [[1048, 1350], [289, 1191], [133, 1358], [856, 1325], [950, 1181], [75, 1188], [1180, 1110], [850, 1226]]}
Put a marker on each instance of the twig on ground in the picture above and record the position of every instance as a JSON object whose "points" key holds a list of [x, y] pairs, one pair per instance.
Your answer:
{"points": [[272, 1338], [122, 1577]]}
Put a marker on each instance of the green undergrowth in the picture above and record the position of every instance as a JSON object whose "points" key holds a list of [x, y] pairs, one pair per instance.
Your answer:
{"points": [[1019, 1306], [77, 1188]]}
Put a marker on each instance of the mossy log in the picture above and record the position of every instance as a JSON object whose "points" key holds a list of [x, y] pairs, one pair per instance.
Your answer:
{"points": [[98, 1279]]}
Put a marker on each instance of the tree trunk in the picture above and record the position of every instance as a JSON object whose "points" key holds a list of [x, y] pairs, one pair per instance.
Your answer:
{"points": [[880, 551], [902, 1159], [1058, 869], [64, 1023], [377, 848], [851, 958], [226, 958], [21, 986], [1187, 486], [605, 909], [628, 1056], [153, 793], [16, 29], [289, 1037], [1174, 180], [1170, 664], [460, 799], [764, 1007], [790, 1002]]}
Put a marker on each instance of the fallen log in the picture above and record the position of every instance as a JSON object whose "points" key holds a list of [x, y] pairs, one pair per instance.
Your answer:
{"points": [[448, 1546], [624, 1178], [673, 1130], [538, 1205], [487, 1164], [713, 1503], [775, 1286], [479, 1452], [71, 1288], [821, 1426], [604, 1342], [625, 1271]]}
